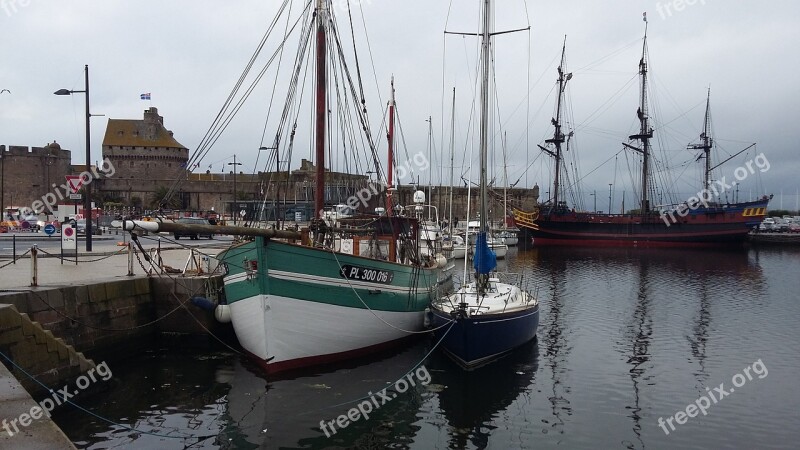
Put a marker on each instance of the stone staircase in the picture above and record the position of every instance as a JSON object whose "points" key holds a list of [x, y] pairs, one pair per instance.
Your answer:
{"points": [[37, 351]]}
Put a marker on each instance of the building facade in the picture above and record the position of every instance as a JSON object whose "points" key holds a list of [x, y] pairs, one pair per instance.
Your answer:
{"points": [[29, 173]]}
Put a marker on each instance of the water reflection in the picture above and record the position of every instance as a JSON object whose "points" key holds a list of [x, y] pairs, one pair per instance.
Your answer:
{"points": [[636, 348], [555, 340], [472, 401], [625, 336], [699, 339], [287, 413]]}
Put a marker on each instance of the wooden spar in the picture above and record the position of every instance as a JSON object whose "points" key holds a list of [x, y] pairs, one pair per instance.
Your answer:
{"points": [[390, 161], [170, 227], [321, 110]]}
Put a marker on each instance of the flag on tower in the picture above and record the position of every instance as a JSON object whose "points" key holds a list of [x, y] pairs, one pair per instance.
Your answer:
{"points": [[145, 96]]}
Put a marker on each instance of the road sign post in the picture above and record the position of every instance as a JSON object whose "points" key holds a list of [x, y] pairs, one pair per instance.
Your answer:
{"points": [[69, 240], [49, 229]]}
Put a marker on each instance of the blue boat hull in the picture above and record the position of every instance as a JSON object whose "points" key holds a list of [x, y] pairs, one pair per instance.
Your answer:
{"points": [[477, 340]]}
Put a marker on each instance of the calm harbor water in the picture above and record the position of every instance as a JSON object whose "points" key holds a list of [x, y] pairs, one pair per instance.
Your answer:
{"points": [[626, 336]]}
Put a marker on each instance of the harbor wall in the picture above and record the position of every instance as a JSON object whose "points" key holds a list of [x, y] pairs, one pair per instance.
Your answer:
{"points": [[105, 319]]}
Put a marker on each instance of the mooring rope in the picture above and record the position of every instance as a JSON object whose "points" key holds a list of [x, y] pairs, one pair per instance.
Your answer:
{"points": [[104, 419], [413, 368]]}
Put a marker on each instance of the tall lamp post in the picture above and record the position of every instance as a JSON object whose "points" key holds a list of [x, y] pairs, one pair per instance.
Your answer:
{"points": [[233, 205], [2, 177], [88, 201]]}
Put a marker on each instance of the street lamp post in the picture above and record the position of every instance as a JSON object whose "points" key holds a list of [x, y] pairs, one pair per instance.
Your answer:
{"points": [[88, 201], [3, 177], [233, 205]]}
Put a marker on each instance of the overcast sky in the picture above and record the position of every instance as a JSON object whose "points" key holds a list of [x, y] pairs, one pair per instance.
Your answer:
{"points": [[189, 54]]}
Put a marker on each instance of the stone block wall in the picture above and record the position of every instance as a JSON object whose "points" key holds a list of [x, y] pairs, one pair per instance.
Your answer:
{"points": [[98, 317], [28, 173], [37, 351]]}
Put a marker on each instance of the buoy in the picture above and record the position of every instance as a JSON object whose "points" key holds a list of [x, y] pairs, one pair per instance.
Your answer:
{"points": [[222, 313], [441, 261], [203, 303]]}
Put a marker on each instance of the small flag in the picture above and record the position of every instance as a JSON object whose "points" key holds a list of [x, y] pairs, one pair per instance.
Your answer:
{"points": [[145, 96]]}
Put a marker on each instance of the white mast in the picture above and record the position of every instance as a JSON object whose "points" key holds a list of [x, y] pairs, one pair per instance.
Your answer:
{"points": [[484, 130]]}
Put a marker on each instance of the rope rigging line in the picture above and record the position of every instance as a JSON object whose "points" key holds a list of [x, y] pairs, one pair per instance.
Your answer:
{"points": [[229, 109], [97, 416], [338, 405], [333, 252]]}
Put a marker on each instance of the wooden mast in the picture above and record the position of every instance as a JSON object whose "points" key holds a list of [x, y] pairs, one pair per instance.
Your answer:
{"points": [[390, 162], [645, 132], [558, 135], [706, 143], [321, 110]]}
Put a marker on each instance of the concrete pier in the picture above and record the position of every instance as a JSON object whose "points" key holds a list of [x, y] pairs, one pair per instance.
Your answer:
{"points": [[16, 405]]}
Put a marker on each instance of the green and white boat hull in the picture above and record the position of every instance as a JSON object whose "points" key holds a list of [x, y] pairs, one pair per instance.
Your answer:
{"points": [[294, 306]]}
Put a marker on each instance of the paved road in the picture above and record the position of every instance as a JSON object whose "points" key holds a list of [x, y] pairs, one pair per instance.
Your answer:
{"points": [[97, 265], [100, 244]]}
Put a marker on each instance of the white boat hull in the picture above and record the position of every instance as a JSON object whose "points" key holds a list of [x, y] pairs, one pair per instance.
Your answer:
{"points": [[280, 329], [510, 241]]}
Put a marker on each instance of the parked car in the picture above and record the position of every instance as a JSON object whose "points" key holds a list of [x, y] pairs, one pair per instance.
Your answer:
{"points": [[767, 224], [192, 221], [80, 227], [781, 226], [30, 223], [794, 228]]}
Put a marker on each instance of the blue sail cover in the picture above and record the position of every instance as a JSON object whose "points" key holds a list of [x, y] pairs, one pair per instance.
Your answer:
{"points": [[484, 259]]}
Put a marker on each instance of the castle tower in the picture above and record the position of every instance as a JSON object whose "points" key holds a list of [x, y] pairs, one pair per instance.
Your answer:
{"points": [[143, 149]]}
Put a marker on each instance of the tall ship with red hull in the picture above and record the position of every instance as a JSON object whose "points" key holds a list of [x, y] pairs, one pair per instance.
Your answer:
{"points": [[702, 220]]}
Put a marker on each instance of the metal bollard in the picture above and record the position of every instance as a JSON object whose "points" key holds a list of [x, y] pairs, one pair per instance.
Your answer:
{"points": [[34, 266], [14, 254], [130, 259]]}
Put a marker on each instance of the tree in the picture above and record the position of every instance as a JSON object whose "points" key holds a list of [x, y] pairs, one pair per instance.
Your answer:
{"points": [[159, 199]]}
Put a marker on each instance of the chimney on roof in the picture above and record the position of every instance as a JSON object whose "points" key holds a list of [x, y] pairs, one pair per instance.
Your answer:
{"points": [[151, 116]]}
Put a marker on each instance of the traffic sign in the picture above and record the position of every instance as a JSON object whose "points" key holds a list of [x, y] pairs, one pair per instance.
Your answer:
{"points": [[75, 182], [68, 238], [49, 229], [75, 196]]}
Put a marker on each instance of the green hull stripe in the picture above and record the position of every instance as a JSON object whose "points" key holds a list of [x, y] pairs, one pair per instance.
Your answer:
{"points": [[281, 257]]}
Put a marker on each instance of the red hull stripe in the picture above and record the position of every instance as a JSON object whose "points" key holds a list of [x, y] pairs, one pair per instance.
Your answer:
{"points": [[645, 236], [537, 241], [310, 361]]}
